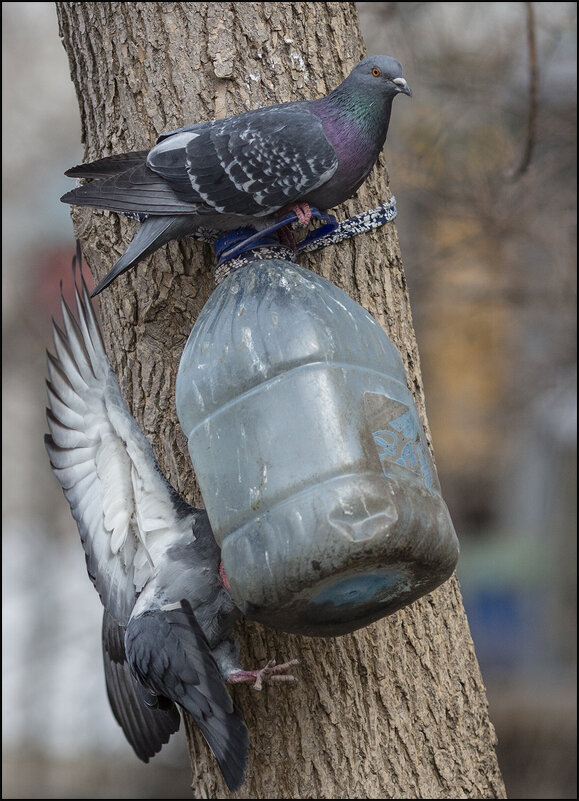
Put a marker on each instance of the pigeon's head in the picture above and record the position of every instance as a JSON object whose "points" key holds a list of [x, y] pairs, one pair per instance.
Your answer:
{"points": [[381, 74]]}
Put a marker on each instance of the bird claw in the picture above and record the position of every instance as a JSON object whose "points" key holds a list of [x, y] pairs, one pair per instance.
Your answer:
{"points": [[303, 212], [271, 672]]}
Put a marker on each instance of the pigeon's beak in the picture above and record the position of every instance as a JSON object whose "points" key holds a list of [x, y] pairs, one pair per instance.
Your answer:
{"points": [[402, 86]]}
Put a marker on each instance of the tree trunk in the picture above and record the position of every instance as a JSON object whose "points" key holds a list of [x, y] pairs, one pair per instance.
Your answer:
{"points": [[398, 709]]}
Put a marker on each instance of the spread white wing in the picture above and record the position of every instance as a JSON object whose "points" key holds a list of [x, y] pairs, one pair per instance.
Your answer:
{"points": [[119, 498]]}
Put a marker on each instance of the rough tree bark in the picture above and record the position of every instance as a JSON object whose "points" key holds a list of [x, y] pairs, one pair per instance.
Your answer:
{"points": [[398, 709]]}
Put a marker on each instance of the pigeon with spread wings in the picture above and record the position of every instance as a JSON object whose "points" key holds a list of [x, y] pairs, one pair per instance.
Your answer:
{"points": [[152, 558]]}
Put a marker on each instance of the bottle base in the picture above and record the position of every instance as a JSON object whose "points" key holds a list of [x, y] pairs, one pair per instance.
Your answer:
{"points": [[358, 551]]}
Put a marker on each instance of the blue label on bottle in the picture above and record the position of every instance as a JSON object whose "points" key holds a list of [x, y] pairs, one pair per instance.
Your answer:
{"points": [[398, 437]]}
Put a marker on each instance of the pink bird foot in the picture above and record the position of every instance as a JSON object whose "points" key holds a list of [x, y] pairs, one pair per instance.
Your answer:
{"points": [[303, 212], [271, 672]]}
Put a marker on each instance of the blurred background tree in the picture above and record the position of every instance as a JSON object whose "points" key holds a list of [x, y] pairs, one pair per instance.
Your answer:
{"points": [[491, 268]]}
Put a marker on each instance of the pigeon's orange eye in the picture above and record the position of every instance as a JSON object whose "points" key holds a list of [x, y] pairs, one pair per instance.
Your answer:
{"points": [[375, 72]]}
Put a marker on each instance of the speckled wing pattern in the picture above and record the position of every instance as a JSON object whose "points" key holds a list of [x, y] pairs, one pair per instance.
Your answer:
{"points": [[252, 164], [249, 165]]}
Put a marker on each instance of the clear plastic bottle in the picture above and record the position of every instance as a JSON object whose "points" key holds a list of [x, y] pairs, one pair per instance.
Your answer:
{"points": [[310, 457]]}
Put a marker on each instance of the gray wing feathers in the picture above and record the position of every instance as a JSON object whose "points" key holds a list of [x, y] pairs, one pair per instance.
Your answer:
{"points": [[103, 461], [153, 232], [252, 164], [147, 727], [110, 165], [185, 670], [137, 189]]}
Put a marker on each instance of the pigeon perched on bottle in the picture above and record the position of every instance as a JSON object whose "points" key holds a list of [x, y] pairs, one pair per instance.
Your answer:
{"points": [[152, 558], [244, 170]]}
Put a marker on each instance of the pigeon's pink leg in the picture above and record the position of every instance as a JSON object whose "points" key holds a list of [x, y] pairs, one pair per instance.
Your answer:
{"points": [[303, 213], [271, 672]]}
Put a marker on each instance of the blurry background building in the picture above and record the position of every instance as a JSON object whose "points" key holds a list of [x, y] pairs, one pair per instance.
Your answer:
{"points": [[491, 266]]}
